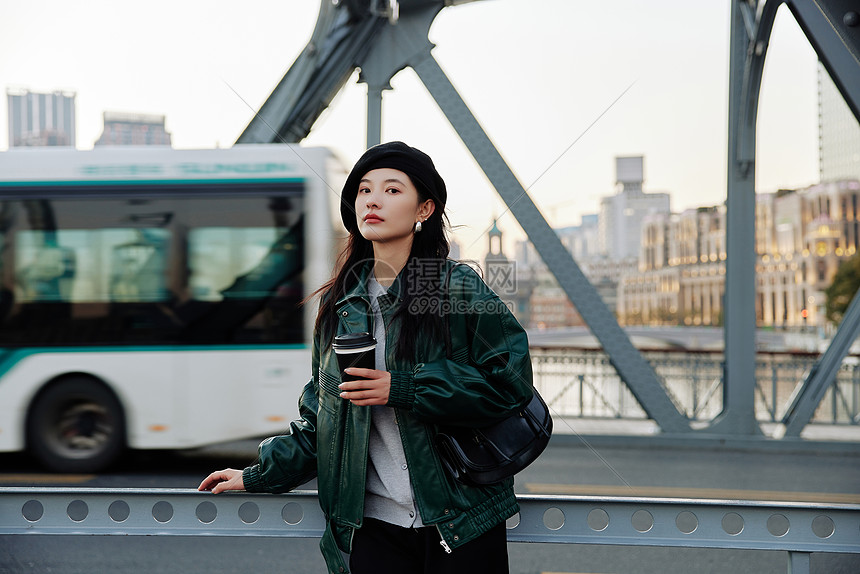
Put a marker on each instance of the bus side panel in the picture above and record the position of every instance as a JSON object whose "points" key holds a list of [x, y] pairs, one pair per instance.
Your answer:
{"points": [[168, 397], [258, 394], [144, 382]]}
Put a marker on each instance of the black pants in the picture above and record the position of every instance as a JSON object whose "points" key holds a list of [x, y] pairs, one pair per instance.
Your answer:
{"points": [[382, 548]]}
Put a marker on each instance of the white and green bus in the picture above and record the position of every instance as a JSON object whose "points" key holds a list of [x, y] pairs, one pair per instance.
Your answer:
{"points": [[150, 297]]}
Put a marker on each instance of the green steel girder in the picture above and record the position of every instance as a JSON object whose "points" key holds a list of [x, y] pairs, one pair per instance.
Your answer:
{"points": [[833, 29]]}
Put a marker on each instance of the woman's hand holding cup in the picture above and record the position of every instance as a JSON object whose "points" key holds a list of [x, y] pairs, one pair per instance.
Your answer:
{"points": [[371, 388], [362, 384]]}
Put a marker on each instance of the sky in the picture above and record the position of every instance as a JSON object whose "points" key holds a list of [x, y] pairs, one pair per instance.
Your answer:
{"points": [[540, 76]]}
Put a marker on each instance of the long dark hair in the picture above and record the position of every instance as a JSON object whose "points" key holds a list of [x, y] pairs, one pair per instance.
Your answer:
{"points": [[418, 310]]}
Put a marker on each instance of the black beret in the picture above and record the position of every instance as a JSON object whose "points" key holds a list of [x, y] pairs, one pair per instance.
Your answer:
{"points": [[395, 155]]}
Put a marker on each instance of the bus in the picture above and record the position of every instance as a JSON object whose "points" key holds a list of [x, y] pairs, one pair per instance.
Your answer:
{"points": [[150, 298]]}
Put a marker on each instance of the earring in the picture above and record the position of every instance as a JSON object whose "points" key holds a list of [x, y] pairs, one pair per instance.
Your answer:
{"points": [[417, 226]]}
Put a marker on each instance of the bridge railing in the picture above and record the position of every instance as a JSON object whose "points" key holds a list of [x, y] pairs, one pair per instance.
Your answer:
{"points": [[799, 529], [583, 383]]}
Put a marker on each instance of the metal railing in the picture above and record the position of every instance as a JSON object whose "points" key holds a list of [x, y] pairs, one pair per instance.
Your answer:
{"points": [[799, 529], [582, 383]]}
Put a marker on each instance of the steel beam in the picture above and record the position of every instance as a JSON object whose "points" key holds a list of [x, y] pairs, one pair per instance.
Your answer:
{"points": [[833, 29], [628, 521], [633, 369], [317, 75], [374, 116], [820, 378], [750, 33], [392, 48]]}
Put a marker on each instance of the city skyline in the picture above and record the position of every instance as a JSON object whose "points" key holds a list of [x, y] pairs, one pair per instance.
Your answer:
{"points": [[536, 87]]}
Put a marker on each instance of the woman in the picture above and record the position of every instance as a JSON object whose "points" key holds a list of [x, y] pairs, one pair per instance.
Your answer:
{"points": [[387, 498]]}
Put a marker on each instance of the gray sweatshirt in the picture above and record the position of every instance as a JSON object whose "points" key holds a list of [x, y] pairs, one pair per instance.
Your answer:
{"points": [[388, 492]]}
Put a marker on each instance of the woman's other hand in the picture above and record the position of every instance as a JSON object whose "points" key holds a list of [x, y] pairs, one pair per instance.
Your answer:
{"points": [[221, 480], [372, 389]]}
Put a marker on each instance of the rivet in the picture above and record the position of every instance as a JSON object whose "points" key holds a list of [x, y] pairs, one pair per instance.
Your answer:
{"points": [[345, 313], [851, 19]]}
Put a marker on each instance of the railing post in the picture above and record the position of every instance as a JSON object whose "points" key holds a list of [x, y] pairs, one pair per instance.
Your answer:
{"points": [[695, 382], [798, 562], [774, 388], [854, 415], [581, 378]]}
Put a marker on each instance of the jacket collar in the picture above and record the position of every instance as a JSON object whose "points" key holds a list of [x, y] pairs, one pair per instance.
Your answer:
{"points": [[359, 288]]}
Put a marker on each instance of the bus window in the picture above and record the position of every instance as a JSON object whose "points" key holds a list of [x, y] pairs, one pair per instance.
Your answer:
{"points": [[91, 266], [220, 255], [143, 270], [245, 284]]}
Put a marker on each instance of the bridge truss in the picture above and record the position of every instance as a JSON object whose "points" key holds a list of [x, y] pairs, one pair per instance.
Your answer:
{"points": [[382, 37]]}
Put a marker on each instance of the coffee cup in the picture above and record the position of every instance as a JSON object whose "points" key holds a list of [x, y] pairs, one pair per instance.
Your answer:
{"points": [[354, 350]]}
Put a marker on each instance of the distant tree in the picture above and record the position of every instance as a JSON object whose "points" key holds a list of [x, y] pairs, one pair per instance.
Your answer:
{"points": [[842, 290]]}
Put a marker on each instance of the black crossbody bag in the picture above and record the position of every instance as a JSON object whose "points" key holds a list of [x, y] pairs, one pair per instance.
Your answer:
{"points": [[488, 455]]}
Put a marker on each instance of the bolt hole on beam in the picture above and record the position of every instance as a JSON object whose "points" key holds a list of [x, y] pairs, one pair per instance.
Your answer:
{"points": [[822, 526], [553, 518], [249, 513], [162, 511], [292, 513], [32, 511], [598, 520], [206, 512], [642, 521], [119, 511], [687, 522], [778, 525], [77, 510], [733, 523]]}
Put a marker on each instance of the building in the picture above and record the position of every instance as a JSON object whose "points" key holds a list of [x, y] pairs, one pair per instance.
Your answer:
{"points": [[38, 119], [500, 273], [133, 129], [822, 234], [540, 302], [802, 236], [680, 277], [621, 215], [838, 133]]}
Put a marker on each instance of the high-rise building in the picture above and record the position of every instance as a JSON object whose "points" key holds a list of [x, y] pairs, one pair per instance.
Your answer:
{"points": [[621, 215], [37, 119], [838, 133], [133, 129]]}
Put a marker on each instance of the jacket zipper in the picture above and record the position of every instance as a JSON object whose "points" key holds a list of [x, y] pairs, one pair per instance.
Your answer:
{"points": [[443, 543]]}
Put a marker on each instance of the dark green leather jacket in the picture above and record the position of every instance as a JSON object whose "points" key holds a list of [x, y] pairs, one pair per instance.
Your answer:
{"points": [[488, 376]]}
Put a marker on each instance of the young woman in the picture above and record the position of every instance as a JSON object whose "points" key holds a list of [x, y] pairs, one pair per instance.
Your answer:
{"points": [[388, 500]]}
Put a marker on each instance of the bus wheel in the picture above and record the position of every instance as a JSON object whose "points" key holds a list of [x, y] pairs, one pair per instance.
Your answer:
{"points": [[76, 425]]}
